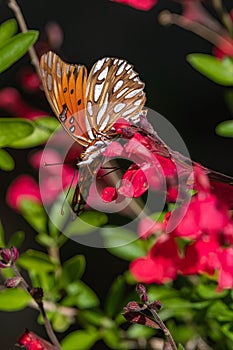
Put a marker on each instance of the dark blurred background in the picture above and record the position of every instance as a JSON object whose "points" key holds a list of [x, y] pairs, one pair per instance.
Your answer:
{"points": [[192, 103]]}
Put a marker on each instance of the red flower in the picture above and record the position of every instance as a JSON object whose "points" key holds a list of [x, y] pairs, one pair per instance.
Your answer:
{"points": [[225, 280], [161, 265], [109, 194], [201, 257], [133, 183], [147, 227], [31, 341], [11, 101], [144, 5], [24, 187]]}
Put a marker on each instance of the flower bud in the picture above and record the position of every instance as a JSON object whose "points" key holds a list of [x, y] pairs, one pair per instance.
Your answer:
{"points": [[13, 282], [37, 294], [141, 291], [8, 257]]}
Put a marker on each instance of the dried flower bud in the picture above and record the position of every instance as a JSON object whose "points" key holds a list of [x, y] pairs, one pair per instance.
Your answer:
{"points": [[13, 282], [8, 257], [141, 290], [155, 305], [37, 294], [133, 306]]}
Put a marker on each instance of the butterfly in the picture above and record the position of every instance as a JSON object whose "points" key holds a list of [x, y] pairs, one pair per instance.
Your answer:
{"points": [[87, 106]]}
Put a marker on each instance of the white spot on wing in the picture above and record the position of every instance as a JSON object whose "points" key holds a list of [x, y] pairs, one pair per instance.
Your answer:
{"points": [[132, 75], [59, 69], [50, 59], [89, 107], [118, 107], [49, 82], [97, 90], [132, 93], [138, 102], [120, 69], [103, 74], [89, 129], [102, 110], [131, 110], [118, 85], [99, 64], [122, 92], [105, 123]]}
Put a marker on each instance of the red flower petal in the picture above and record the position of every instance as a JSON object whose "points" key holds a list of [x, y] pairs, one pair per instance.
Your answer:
{"points": [[109, 194], [24, 187], [144, 5]]}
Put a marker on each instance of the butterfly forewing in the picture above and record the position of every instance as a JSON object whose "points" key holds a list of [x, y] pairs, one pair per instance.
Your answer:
{"points": [[65, 86], [113, 91]]}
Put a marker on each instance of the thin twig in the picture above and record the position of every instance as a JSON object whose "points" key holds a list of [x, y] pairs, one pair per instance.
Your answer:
{"points": [[162, 326], [224, 15], [215, 38], [47, 323], [22, 24]]}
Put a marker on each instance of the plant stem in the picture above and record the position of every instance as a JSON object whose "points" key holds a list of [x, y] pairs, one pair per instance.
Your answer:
{"points": [[22, 24], [47, 323], [224, 15], [167, 18], [162, 326]]}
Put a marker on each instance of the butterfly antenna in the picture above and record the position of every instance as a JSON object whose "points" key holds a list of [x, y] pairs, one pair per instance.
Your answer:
{"points": [[67, 193]]}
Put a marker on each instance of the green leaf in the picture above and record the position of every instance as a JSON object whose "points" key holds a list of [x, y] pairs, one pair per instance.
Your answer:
{"points": [[115, 297], [82, 295], [180, 347], [6, 161], [220, 312], [112, 339], [36, 261], [87, 222], [15, 48], [7, 30], [140, 331], [227, 330], [60, 322], [225, 128], [209, 292], [47, 123], [16, 239], [80, 340], [73, 269], [12, 129], [43, 128], [35, 214], [119, 238], [95, 318], [220, 71], [13, 299]]}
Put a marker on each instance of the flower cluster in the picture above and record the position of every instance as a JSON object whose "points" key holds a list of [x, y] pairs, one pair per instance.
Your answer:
{"points": [[206, 228]]}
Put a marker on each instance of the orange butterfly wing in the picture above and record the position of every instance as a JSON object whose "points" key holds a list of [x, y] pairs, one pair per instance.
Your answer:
{"points": [[65, 85]]}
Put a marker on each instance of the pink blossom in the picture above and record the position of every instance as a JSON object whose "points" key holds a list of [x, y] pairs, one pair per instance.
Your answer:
{"points": [[109, 194], [161, 265], [23, 187], [12, 102], [144, 5]]}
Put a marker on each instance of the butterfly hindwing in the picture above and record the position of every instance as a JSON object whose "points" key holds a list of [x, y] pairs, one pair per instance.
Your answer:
{"points": [[114, 90]]}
